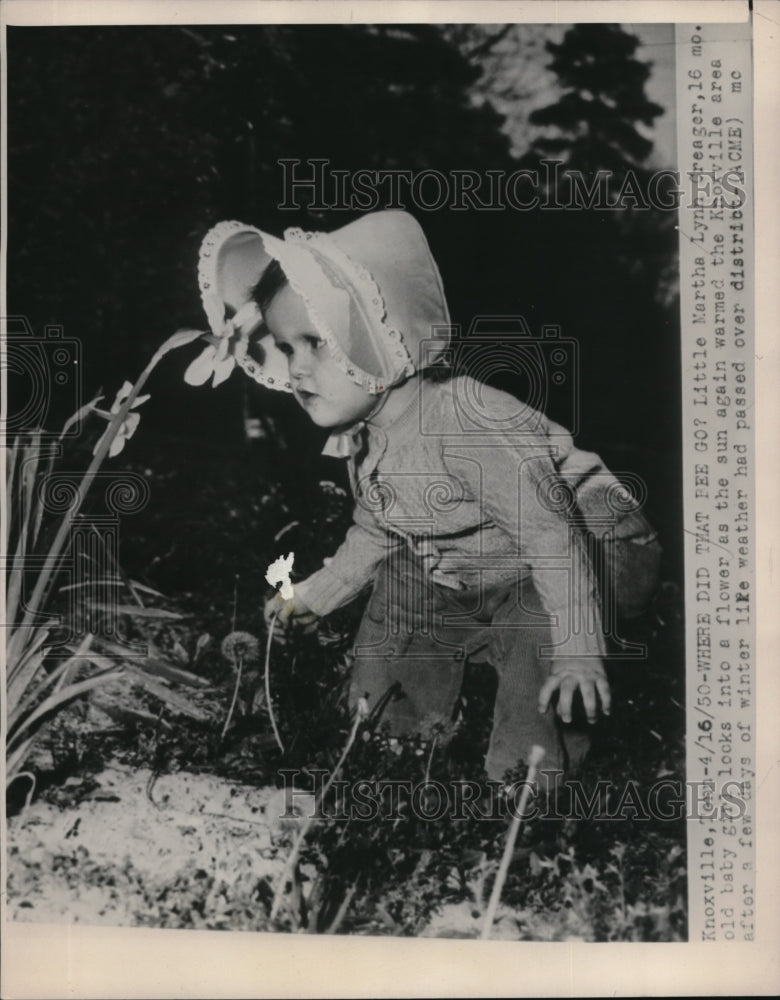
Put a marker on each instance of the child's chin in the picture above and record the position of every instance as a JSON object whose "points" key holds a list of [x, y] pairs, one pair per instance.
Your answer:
{"points": [[325, 420], [323, 415]]}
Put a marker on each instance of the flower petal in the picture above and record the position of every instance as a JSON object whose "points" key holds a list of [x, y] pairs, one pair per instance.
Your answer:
{"points": [[247, 314], [199, 370], [121, 396], [223, 370], [139, 400], [214, 308], [221, 351], [116, 446], [130, 425], [240, 349]]}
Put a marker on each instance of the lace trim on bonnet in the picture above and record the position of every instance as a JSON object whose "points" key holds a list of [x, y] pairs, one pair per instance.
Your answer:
{"points": [[359, 275]]}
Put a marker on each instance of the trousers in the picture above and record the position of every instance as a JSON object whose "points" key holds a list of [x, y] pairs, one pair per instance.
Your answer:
{"points": [[411, 649]]}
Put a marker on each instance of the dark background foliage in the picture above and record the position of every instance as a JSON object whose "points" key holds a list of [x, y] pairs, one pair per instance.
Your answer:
{"points": [[127, 144]]}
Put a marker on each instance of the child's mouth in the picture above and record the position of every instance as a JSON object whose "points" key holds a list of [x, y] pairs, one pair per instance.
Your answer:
{"points": [[305, 395]]}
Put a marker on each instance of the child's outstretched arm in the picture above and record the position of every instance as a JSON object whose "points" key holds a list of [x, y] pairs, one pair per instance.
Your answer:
{"points": [[348, 572]]}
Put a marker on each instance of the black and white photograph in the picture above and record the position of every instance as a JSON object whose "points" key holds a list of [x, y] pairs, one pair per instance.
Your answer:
{"points": [[379, 444]]}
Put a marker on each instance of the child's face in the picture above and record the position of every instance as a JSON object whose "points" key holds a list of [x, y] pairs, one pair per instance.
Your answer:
{"points": [[319, 385]]}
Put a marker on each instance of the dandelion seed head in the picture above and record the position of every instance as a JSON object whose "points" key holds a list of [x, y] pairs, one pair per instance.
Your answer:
{"points": [[240, 645]]}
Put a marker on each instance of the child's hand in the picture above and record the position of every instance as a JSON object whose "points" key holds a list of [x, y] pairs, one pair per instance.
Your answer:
{"points": [[294, 613], [568, 676]]}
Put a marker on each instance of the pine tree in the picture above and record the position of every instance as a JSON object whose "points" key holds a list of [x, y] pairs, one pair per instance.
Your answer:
{"points": [[603, 101]]}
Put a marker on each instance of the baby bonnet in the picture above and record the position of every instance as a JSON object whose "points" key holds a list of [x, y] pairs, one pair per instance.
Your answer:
{"points": [[372, 290]]}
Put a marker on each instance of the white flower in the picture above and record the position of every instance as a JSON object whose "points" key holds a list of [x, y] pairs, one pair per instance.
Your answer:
{"points": [[128, 426], [278, 575], [220, 358]]}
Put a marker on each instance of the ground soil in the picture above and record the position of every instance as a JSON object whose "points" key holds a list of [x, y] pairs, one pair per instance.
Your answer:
{"points": [[124, 852]]}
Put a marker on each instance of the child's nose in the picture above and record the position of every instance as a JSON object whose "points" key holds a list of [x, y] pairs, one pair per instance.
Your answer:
{"points": [[298, 365]]}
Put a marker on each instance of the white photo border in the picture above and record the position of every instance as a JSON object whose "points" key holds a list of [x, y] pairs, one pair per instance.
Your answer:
{"points": [[76, 961]]}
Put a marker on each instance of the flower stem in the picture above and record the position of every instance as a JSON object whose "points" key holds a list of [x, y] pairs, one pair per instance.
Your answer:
{"points": [[537, 753], [267, 671], [52, 557], [240, 666]]}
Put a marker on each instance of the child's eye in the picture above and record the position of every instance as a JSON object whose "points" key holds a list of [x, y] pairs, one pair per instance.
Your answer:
{"points": [[286, 349], [314, 342]]}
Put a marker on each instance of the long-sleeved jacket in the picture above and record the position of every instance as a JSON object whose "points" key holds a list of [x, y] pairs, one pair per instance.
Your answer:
{"points": [[474, 489]]}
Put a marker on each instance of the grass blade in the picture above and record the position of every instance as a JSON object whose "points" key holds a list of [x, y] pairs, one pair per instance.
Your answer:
{"points": [[176, 674], [175, 701], [14, 663], [15, 758], [58, 676], [11, 463], [132, 715], [60, 698], [18, 689], [79, 415], [39, 506], [167, 671], [114, 580], [133, 611], [21, 515]]}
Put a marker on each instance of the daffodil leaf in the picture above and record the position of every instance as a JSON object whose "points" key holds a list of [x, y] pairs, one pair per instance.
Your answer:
{"points": [[79, 415], [199, 370], [99, 442], [178, 339]]}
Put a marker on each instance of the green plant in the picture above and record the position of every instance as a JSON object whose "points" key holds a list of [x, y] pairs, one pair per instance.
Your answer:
{"points": [[36, 689]]}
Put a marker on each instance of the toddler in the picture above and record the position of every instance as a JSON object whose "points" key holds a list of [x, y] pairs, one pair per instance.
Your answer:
{"points": [[463, 523]]}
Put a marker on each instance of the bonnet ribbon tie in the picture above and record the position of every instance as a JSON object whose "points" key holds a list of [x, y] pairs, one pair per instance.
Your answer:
{"points": [[346, 444]]}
